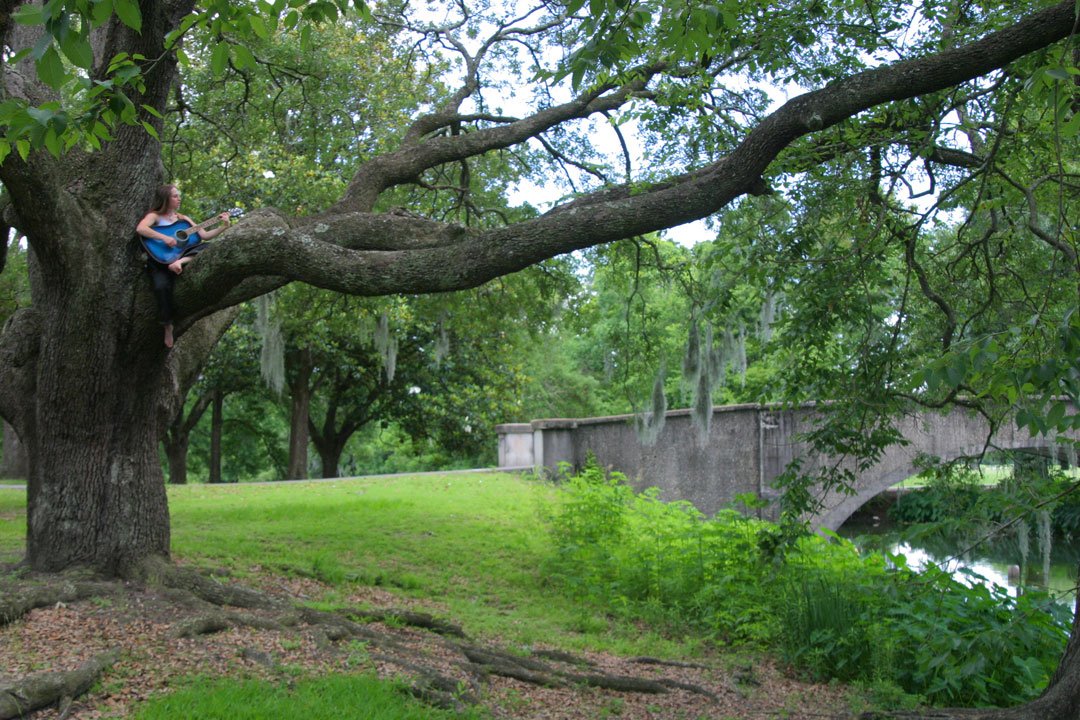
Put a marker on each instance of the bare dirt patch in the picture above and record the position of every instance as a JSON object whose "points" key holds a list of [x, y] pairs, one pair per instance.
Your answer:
{"points": [[155, 654]]}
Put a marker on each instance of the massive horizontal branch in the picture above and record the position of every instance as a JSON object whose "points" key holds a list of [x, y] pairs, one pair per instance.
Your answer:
{"points": [[367, 254]]}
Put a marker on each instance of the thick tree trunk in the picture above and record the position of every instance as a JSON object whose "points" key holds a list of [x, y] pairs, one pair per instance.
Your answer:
{"points": [[300, 390], [216, 410], [14, 462], [96, 494]]}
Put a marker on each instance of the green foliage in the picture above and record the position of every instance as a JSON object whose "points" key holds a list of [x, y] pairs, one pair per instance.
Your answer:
{"points": [[344, 697], [952, 491], [378, 449], [643, 557], [827, 611], [14, 280], [93, 101], [821, 632]]}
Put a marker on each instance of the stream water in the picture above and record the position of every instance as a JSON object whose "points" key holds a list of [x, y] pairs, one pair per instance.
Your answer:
{"points": [[991, 560]]}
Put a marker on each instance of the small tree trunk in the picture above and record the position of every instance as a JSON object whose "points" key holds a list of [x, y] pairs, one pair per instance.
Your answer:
{"points": [[330, 458], [176, 451], [216, 421], [300, 389], [14, 462]]}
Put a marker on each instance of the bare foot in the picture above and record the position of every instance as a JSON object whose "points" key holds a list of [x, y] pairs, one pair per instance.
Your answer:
{"points": [[168, 336]]}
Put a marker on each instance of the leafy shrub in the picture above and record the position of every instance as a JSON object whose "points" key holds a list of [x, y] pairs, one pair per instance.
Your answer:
{"points": [[1066, 516], [953, 491], [639, 555], [827, 610]]}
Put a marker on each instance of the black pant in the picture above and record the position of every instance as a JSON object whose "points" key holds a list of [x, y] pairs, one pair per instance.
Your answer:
{"points": [[162, 280]]}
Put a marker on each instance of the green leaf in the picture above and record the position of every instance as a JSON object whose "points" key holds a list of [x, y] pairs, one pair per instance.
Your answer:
{"points": [[954, 374], [29, 15], [41, 115], [77, 48], [1072, 127], [1056, 414], [129, 14], [50, 68], [258, 26], [151, 130], [243, 57], [52, 143], [101, 12], [152, 110], [219, 58]]}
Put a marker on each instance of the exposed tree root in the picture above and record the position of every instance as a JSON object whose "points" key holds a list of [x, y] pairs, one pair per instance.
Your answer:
{"points": [[531, 670], [159, 571], [31, 594], [646, 660], [406, 617], [434, 687], [39, 690], [220, 607], [220, 621]]}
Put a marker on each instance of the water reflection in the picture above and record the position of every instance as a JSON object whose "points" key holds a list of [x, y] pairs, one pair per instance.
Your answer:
{"points": [[992, 560]]}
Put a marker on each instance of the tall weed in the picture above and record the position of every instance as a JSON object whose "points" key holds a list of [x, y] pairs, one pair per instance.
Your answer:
{"points": [[824, 608]]}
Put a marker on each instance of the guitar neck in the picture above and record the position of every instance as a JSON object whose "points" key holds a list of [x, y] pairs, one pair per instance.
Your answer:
{"points": [[204, 225], [188, 232]]}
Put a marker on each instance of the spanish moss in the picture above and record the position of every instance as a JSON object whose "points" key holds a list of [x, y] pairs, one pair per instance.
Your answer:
{"points": [[272, 354], [651, 422]]}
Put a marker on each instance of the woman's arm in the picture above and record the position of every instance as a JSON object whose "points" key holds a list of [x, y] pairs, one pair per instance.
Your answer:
{"points": [[146, 229], [207, 234]]}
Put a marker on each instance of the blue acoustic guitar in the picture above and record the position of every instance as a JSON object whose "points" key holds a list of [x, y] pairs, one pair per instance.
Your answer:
{"points": [[185, 234]]}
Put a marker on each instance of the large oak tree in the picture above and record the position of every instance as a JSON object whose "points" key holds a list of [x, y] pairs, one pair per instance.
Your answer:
{"points": [[84, 377]]}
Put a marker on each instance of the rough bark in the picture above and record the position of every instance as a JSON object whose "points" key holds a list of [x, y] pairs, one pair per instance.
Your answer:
{"points": [[14, 459], [20, 598], [34, 692]]}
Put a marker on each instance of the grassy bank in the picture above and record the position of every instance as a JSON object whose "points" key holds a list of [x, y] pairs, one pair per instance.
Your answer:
{"points": [[469, 545]]}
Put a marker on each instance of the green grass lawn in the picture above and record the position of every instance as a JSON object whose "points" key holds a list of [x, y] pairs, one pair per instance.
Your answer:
{"points": [[340, 697], [468, 546]]}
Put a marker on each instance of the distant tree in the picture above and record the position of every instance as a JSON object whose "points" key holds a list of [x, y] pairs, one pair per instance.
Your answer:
{"points": [[233, 367]]}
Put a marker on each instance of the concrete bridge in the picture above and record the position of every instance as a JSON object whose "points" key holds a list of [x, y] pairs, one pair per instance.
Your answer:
{"points": [[747, 447]]}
